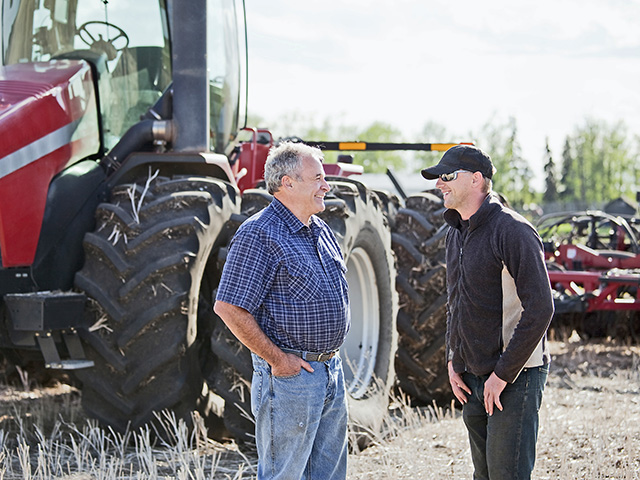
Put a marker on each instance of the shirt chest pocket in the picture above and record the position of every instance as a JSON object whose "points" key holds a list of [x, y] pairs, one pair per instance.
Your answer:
{"points": [[303, 281]]}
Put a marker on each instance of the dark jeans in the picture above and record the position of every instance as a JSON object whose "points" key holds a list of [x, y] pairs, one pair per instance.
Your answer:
{"points": [[503, 446]]}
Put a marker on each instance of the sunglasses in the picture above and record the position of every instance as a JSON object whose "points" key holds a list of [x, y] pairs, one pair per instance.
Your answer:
{"points": [[450, 177]]}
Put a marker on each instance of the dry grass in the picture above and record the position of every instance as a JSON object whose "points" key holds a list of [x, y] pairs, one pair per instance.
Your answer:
{"points": [[44, 435], [589, 429]]}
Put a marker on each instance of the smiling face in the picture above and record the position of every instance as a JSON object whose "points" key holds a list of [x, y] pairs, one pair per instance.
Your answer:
{"points": [[456, 192], [465, 193], [303, 193]]}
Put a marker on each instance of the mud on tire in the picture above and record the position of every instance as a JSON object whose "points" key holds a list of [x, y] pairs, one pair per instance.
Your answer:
{"points": [[148, 326]]}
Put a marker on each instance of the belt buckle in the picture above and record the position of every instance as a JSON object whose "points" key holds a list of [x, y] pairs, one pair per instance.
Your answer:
{"points": [[326, 356]]}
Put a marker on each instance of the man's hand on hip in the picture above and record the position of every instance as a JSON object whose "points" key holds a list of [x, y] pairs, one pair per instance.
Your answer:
{"points": [[457, 385], [493, 387], [288, 365]]}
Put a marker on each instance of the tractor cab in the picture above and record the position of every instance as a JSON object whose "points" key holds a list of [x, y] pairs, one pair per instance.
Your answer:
{"points": [[128, 45]]}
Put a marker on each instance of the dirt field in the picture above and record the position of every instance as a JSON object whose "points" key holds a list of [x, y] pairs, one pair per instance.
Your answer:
{"points": [[590, 429], [590, 425]]}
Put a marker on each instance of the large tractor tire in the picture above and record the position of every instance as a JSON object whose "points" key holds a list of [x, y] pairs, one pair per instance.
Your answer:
{"points": [[355, 216], [418, 242], [230, 377], [148, 277]]}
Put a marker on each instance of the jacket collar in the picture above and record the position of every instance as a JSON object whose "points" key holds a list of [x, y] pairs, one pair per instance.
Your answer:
{"points": [[488, 207]]}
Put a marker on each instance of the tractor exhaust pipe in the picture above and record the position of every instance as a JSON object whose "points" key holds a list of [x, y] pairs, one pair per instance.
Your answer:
{"points": [[134, 139]]}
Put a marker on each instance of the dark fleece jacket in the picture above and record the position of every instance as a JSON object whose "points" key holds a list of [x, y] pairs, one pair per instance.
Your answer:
{"points": [[500, 301]]}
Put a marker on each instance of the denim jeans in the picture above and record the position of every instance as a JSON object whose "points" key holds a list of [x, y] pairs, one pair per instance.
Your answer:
{"points": [[301, 422], [503, 446]]}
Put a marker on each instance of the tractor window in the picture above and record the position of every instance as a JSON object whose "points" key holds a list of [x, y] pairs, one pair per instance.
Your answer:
{"points": [[126, 41], [227, 71]]}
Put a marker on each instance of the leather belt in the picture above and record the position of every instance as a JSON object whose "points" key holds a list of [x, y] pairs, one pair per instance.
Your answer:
{"points": [[310, 356]]}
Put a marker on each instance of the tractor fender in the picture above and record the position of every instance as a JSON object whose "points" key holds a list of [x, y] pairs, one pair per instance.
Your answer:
{"points": [[72, 200], [203, 164]]}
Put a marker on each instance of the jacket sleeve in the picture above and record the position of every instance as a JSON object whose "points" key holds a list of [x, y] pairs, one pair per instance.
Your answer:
{"points": [[452, 337], [523, 255]]}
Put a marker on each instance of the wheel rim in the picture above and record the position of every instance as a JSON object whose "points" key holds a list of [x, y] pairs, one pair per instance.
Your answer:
{"points": [[361, 346]]}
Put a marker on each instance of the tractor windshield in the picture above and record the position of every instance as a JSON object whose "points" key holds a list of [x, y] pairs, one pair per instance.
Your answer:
{"points": [[128, 42]]}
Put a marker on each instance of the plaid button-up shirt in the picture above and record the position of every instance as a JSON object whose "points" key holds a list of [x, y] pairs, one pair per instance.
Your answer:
{"points": [[291, 278]]}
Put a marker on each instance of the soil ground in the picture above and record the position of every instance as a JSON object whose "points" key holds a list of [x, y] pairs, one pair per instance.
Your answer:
{"points": [[590, 424]]}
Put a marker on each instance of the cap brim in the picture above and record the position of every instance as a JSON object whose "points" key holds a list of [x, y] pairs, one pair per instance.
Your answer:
{"points": [[434, 172]]}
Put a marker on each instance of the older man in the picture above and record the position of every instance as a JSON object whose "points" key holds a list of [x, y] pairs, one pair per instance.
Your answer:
{"points": [[283, 294]]}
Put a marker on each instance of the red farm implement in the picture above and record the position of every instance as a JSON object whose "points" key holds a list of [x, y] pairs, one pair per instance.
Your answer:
{"points": [[594, 269]]}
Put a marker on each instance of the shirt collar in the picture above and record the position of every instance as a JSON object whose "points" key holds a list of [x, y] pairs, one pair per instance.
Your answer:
{"points": [[290, 220]]}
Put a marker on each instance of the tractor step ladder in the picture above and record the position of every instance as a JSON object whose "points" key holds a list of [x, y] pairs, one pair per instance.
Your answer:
{"points": [[52, 359]]}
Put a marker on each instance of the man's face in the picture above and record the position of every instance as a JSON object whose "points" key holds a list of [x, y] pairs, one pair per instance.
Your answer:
{"points": [[456, 192], [310, 186]]}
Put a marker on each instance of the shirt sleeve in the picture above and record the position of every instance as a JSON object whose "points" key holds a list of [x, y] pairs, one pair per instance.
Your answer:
{"points": [[245, 277]]}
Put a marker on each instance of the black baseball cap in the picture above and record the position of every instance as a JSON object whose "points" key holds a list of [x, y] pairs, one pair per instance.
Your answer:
{"points": [[461, 157]]}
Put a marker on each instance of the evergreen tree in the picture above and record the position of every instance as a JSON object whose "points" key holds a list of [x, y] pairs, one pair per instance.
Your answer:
{"points": [[550, 180], [513, 177], [493, 140], [569, 174], [599, 167], [619, 163], [521, 171]]}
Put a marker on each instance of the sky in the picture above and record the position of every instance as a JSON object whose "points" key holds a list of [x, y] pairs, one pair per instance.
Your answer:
{"points": [[550, 64]]}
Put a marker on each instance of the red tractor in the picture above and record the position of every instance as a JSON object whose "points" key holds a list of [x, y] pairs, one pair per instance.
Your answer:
{"points": [[594, 266], [125, 168]]}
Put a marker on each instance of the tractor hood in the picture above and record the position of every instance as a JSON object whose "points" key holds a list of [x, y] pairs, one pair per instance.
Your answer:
{"points": [[48, 121]]}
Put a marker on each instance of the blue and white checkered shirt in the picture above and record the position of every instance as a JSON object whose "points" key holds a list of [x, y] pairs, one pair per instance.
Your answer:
{"points": [[291, 278]]}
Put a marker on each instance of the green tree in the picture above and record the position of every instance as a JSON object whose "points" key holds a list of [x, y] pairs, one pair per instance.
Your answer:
{"points": [[598, 161], [620, 164], [588, 160], [432, 132], [520, 174], [569, 174], [378, 162], [550, 180], [598, 164], [513, 176]]}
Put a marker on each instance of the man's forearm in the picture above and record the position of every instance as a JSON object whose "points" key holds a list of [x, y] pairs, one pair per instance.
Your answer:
{"points": [[244, 326]]}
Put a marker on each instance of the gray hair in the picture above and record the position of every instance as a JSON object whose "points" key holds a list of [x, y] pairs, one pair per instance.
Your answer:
{"points": [[286, 159]]}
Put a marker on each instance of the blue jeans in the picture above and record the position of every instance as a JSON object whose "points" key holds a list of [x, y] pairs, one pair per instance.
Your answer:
{"points": [[301, 422], [503, 446]]}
